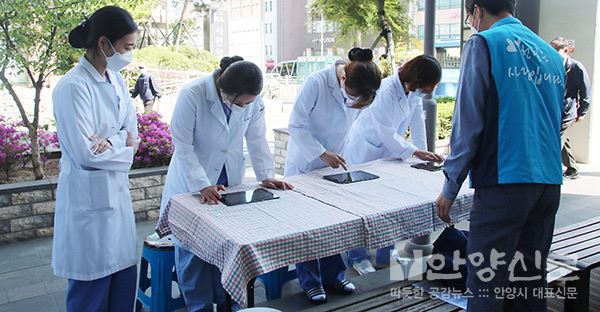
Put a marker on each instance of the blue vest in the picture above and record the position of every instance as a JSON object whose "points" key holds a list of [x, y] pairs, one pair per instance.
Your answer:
{"points": [[529, 79]]}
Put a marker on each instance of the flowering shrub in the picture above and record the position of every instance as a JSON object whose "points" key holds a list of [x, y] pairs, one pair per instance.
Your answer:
{"points": [[13, 147], [156, 146], [48, 141]]}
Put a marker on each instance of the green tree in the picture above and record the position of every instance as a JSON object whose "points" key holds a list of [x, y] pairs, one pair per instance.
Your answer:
{"points": [[357, 18], [33, 40]]}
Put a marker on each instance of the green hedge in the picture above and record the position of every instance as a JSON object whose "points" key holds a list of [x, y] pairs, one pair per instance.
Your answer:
{"points": [[187, 58], [445, 109]]}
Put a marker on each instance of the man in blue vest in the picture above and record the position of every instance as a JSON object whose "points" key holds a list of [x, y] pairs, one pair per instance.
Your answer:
{"points": [[506, 134]]}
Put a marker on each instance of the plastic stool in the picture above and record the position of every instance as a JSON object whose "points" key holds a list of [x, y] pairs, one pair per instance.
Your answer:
{"points": [[274, 281], [160, 255]]}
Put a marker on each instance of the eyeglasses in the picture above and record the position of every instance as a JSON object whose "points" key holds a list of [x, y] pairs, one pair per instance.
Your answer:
{"points": [[467, 20]]}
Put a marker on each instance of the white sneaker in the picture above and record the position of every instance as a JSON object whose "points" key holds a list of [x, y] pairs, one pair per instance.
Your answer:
{"points": [[363, 267]]}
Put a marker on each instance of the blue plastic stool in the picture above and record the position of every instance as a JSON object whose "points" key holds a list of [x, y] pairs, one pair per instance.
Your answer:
{"points": [[162, 262], [274, 281]]}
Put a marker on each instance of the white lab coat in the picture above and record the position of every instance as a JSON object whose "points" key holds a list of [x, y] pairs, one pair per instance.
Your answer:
{"points": [[94, 226], [204, 142], [379, 130], [319, 122]]}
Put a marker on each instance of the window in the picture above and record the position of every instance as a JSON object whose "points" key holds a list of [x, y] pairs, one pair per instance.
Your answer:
{"points": [[441, 4], [268, 28], [269, 6], [442, 31]]}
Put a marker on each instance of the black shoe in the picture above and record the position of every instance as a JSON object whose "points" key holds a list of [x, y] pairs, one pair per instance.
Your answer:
{"points": [[571, 174], [316, 295], [341, 288]]}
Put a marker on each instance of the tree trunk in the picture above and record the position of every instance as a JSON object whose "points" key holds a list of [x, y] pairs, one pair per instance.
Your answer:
{"points": [[36, 160], [206, 29], [180, 23], [358, 42]]}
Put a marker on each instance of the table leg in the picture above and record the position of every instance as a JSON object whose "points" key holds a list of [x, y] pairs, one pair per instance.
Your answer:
{"points": [[250, 293]]}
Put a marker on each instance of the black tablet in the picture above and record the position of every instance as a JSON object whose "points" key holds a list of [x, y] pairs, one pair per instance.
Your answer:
{"points": [[429, 166], [350, 177], [246, 197]]}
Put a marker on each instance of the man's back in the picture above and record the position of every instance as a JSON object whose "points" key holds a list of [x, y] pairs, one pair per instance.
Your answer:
{"points": [[523, 130]]}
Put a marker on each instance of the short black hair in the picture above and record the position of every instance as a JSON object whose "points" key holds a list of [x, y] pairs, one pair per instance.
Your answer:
{"points": [[110, 21], [238, 77], [493, 7], [559, 43]]}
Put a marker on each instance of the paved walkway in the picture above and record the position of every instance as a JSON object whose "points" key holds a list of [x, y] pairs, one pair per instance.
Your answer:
{"points": [[27, 283]]}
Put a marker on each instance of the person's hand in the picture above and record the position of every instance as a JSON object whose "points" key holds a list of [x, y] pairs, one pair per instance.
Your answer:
{"points": [[333, 160], [277, 184], [100, 145], [210, 194], [443, 206], [428, 156], [133, 141]]}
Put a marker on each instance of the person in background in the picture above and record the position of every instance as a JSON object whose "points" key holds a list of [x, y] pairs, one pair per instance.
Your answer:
{"points": [[506, 133], [94, 243], [328, 104], [379, 132], [577, 102], [147, 89], [213, 115]]}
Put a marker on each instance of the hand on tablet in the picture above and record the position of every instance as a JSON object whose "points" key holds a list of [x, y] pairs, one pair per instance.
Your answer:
{"points": [[333, 160], [210, 195], [428, 156], [277, 184]]}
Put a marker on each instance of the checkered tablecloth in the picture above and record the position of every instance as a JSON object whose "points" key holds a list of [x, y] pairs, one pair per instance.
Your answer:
{"points": [[248, 240], [397, 206], [318, 219]]}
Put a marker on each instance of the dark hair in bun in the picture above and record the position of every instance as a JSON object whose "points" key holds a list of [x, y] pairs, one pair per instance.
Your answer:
{"points": [[109, 21], [238, 77], [363, 76], [360, 55], [227, 61]]}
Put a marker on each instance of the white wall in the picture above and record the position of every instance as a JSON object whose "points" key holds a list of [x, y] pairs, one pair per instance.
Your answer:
{"points": [[577, 19]]}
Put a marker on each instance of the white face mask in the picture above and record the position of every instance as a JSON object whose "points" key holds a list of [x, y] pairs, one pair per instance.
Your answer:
{"points": [[474, 29], [349, 100], [118, 61], [419, 93], [232, 107]]}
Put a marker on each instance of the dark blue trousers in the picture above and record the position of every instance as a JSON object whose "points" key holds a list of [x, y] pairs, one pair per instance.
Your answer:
{"points": [[114, 293], [325, 271], [510, 218]]}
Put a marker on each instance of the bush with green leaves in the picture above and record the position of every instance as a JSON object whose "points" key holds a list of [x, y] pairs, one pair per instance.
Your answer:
{"points": [[445, 109], [186, 58]]}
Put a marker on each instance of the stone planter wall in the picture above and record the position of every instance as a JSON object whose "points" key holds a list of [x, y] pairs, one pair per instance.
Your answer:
{"points": [[280, 151], [27, 208]]}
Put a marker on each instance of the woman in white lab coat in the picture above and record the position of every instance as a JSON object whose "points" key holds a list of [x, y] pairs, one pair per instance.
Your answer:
{"points": [[379, 132], [212, 117], [94, 242], [326, 107]]}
